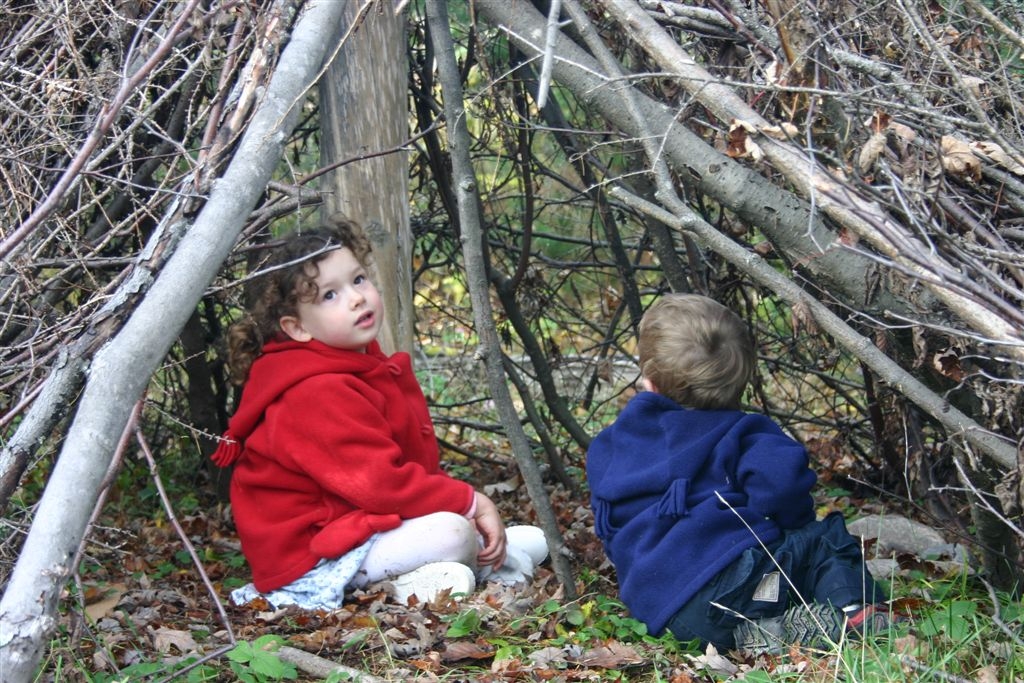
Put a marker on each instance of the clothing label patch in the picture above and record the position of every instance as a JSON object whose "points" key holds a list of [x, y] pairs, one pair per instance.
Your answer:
{"points": [[768, 589]]}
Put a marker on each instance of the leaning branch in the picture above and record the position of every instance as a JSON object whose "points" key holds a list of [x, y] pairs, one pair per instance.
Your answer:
{"points": [[955, 422], [838, 201], [476, 270], [122, 369]]}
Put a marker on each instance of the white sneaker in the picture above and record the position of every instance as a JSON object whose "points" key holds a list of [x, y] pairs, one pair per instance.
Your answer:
{"points": [[427, 581], [526, 548], [517, 568], [529, 539]]}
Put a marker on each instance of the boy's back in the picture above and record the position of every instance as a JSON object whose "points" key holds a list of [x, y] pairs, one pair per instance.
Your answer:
{"points": [[679, 494]]}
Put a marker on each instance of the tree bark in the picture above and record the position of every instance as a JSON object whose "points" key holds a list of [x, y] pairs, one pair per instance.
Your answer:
{"points": [[48, 408], [364, 118], [122, 369]]}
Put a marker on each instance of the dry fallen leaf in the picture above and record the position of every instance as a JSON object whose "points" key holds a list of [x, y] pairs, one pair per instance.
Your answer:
{"points": [[802, 318], [166, 638], [507, 486], [773, 72], [739, 144], [958, 159], [976, 86], [611, 655], [995, 153], [878, 122], [902, 131], [987, 674], [461, 649], [948, 363], [103, 602], [786, 131], [714, 662], [870, 152], [548, 657]]}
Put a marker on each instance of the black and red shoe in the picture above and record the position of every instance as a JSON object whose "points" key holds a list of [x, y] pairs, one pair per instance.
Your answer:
{"points": [[870, 619]]}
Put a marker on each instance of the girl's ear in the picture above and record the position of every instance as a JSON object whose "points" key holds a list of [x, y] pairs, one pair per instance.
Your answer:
{"points": [[648, 385], [292, 326]]}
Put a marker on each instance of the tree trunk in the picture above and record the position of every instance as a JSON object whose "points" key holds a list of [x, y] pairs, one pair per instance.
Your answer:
{"points": [[999, 544], [364, 123], [122, 369], [473, 251], [204, 400]]}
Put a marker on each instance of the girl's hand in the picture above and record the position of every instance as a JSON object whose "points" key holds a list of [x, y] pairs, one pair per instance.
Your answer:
{"points": [[490, 527]]}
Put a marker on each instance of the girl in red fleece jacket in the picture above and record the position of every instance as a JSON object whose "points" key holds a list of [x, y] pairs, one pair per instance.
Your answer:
{"points": [[337, 480]]}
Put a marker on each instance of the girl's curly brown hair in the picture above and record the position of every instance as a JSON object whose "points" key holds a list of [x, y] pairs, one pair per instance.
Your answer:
{"points": [[287, 277]]}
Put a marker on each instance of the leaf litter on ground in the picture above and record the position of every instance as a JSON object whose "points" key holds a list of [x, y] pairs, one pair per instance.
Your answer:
{"points": [[144, 606]]}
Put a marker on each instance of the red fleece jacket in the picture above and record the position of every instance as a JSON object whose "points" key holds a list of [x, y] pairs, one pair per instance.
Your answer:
{"points": [[329, 447]]}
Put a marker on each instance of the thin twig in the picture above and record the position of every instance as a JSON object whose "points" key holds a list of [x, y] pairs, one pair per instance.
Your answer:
{"points": [[173, 519], [550, 39]]}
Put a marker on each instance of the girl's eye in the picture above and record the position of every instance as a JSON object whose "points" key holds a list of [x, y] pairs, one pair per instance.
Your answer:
{"points": [[329, 295], [360, 279]]}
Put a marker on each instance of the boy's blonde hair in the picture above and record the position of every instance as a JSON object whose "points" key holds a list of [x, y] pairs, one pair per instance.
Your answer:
{"points": [[696, 351]]}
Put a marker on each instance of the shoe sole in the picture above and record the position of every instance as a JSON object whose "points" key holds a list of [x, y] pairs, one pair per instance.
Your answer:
{"points": [[809, 626], [431, 579]]}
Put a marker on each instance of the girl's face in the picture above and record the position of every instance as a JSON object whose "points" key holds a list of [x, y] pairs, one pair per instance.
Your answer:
{"points": [[347, 311]]}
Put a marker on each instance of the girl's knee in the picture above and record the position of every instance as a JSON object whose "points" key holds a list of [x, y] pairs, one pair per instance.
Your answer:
{"points": [[455, 537]]}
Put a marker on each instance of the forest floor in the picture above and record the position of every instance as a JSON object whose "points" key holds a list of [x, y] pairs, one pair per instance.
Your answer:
{"points": [[150, 611]]}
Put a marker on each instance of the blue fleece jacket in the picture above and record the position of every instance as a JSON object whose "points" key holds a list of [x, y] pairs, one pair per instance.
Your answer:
{"points": [[679, 494]]}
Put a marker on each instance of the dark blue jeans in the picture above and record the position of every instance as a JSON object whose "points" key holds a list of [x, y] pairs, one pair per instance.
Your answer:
{"points": [[820, 562]]}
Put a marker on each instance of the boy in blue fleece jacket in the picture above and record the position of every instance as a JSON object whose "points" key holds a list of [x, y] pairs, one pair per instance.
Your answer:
{"points": [[706, 511]]}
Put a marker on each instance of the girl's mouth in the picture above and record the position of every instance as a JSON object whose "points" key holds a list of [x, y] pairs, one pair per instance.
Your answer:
{"points": [[365, 320]]}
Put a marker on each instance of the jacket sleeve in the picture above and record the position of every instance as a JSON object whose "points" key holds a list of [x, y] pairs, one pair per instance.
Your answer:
{"points": [[774, 473], [335, 431]]}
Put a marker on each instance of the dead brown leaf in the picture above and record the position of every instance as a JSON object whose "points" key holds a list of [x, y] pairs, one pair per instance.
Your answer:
{"points": [[739, 143], [958, 159], [551, 656], [101, 602], [802, 319], [987, 674], [902, 131], [461, 649], [948, 363], [507, 486], [431, 664], [785, 131], [879, 122], [714, 662], [995, 153], [870, 152], [166, 638], [611, 655]]}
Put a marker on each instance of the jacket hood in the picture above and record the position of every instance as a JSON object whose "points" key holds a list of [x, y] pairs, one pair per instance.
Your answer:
{"points": [[280, 366]]}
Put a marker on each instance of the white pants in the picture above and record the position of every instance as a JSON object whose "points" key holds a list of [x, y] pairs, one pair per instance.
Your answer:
{"points": [[448, 537], [437, 537]]}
